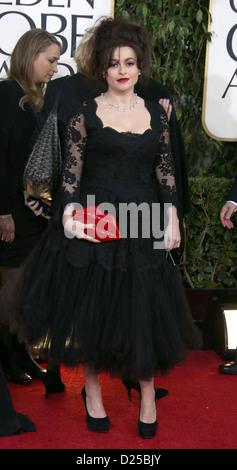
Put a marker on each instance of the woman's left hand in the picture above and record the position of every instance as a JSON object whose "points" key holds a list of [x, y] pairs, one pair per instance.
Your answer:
{"points": [[172, 237]]}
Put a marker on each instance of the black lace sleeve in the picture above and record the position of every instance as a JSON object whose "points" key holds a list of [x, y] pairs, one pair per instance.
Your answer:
{"points": [[75, 143], [164, 166]]}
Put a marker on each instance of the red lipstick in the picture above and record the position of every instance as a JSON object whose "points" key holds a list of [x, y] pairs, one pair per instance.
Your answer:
{"points": [[123, 80]]}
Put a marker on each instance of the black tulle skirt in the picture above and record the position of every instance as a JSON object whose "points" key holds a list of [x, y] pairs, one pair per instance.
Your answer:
{"points": [[119, 317]]}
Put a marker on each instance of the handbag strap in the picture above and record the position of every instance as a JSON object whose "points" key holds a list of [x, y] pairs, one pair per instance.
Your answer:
{"points": [[56, 102]]}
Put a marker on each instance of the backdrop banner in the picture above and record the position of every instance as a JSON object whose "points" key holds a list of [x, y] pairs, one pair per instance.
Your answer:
{"points": [[219, 113], [66, 19]]}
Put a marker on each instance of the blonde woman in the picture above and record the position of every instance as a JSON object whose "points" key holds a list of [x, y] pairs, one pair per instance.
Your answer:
{"points": [[33, 64]]}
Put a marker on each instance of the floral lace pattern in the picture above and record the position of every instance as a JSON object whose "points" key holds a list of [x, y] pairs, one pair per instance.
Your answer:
{"points": [[118, 153], [164, 164], [76, 138]]}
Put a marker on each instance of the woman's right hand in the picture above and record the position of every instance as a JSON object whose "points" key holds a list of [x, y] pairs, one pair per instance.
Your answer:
{"points": [[74, 228], [7, 229]]}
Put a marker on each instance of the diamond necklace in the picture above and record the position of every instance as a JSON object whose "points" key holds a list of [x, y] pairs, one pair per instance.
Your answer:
{"points": [[119, 108]]}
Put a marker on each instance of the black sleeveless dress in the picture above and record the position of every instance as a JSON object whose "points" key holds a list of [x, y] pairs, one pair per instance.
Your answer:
{"points": [[117, 305]]}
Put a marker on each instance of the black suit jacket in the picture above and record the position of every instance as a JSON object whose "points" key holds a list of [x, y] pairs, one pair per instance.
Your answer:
{"points": [[155, 91], [233, 193], [16, 129]]}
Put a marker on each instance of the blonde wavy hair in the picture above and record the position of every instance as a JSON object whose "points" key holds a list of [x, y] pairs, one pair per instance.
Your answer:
{"points": [[26, 50], [84, 50]]}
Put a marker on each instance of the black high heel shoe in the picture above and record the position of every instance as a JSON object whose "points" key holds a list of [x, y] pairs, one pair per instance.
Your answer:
{"points": [[131, 384], [146, 430], [52, 382], [95, 424], [28, 364]]}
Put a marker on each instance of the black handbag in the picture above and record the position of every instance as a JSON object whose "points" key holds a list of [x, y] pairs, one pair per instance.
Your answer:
{"points": [[42, 171]]}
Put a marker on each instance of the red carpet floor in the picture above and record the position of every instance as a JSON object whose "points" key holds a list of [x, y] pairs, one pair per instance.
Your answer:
{"points": [[200, 411]]}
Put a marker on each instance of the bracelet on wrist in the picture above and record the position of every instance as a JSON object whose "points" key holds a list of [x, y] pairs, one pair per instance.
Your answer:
{"points": [[7, 216]]}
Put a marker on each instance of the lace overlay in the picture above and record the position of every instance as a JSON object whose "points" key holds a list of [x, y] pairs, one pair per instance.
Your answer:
{"points": [[117, 168], [76, 138], [164, 165], [120, 156]]}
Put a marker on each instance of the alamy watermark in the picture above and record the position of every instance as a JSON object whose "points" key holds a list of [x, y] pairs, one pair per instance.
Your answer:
{"points": [[152, 222]]}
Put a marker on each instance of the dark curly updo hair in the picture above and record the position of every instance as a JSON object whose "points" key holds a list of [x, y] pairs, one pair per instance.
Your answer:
{"points": [[106, 37]]}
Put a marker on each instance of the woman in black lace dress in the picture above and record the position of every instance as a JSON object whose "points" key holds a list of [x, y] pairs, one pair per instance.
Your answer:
{"points": [[114, 306]]}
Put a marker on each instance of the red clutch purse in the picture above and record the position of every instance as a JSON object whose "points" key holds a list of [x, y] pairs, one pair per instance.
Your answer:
{"points": [[106, 226]]}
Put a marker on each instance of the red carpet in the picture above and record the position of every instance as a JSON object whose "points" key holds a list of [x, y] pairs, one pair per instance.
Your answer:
{"points": [[200, 412]]}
